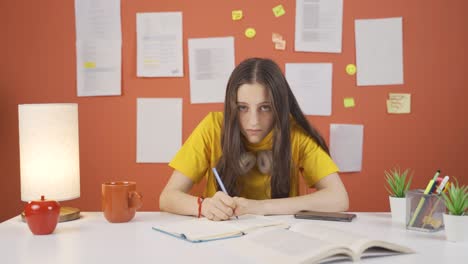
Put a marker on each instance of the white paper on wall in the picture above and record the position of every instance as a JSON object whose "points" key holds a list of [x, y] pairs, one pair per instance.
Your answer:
{"points": [[211, 61], [159, 44], [159, 129], [346, 144], [98, 47], [318, 25], [311, 84], [379, 51], [98, 67]]}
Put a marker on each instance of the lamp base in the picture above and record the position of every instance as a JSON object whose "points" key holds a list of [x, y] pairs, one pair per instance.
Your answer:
{"points": [[69, 214], [66, 214]]}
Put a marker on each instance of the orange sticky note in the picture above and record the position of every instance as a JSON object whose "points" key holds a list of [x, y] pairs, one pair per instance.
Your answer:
{"points": [[278, 10], [275, 37], [237, 14], [280, 45], [349, 102]]}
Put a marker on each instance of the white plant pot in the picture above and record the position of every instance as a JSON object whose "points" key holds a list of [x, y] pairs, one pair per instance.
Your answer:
{"points": [[456, 228], [398, 208]]}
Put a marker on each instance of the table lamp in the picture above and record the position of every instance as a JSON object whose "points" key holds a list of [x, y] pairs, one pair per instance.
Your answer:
{"points": [[49, 154]]}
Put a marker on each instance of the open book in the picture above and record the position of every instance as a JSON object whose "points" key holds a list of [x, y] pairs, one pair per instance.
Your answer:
{"points": [[308, 242], [202, 229]]}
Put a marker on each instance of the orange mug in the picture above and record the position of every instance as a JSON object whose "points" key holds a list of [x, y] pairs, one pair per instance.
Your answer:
{"points": [[120, 200]]}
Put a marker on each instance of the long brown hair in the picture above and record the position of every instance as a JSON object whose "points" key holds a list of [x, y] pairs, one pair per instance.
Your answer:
{"points": [[267, 73]]}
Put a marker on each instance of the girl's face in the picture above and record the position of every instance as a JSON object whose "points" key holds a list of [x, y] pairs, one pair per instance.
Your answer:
{"points": [[255, 111]]}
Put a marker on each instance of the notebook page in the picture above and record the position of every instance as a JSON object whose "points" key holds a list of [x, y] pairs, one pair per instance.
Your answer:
{"points": [[203, 228], [251, 222], [200, 228]]}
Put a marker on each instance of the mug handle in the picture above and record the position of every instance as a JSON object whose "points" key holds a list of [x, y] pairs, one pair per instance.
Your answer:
{"points": [[134, 200]]}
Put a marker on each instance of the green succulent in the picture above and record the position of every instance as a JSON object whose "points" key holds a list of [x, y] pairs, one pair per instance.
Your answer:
{"points": [[397, 182], [456, 198]]}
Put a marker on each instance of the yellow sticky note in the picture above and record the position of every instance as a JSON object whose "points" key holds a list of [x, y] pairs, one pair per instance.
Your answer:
{"points": [[278, 10], [250, 32], [349, 102], [237, 14], [89, 65], [280, 45], [399, 103], [351, 69]]}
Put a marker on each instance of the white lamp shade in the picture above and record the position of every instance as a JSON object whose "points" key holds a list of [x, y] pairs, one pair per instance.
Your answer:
{"points": [[49, 151]]}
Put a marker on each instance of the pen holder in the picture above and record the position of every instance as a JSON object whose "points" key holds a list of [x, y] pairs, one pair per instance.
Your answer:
{"points": [[424, 211]]}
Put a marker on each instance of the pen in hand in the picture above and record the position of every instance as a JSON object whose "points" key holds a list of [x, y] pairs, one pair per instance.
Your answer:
{"points": [[220, 183]]}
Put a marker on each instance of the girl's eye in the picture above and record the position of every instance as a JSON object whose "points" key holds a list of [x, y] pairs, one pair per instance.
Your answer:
{"points": [[242, 108], [265, 108]]}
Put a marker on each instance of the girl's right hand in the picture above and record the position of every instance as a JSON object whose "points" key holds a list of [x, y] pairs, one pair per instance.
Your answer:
{"points": [[219, 207]]}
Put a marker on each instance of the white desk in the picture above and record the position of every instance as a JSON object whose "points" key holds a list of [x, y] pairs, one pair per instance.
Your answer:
{"points": [[92, 239]]}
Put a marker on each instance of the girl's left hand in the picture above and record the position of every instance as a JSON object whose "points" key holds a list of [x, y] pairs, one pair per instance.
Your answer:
{"points": [[247, 206]]}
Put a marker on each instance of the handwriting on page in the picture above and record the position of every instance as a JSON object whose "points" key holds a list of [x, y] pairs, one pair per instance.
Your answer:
{"points": [[399, 103]]}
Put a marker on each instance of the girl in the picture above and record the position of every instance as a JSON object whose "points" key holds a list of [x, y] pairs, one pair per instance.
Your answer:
{"points": [[260, 146]]}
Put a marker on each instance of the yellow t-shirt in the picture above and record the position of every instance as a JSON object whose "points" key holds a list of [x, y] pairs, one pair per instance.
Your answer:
{"points": [[202, 151]]}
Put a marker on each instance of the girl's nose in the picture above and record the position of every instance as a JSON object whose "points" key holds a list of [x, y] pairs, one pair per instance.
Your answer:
{"points": [[253, 117]]}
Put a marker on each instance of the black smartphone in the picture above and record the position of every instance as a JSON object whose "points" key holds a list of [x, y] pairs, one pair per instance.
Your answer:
{"points": [[343, 217]]}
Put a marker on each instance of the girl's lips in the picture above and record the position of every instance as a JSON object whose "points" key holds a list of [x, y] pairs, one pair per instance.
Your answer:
{"points": [[253, 131]]}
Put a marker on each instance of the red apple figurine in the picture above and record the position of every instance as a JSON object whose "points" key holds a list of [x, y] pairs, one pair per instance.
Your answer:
{"points": [[42, 216]]}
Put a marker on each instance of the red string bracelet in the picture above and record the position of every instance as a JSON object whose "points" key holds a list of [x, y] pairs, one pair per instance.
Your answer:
{"points": [[199, 201]]}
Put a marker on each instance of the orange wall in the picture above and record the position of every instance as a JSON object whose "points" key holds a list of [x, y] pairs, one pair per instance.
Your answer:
{"points": [[37, 51]]}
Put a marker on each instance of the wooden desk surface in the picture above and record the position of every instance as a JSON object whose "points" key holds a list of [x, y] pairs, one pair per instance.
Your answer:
{"points": [[92, 239]]}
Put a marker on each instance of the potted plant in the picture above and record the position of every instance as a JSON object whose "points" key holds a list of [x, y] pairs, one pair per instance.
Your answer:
{"points": [[398, 184], [456, 221]]}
